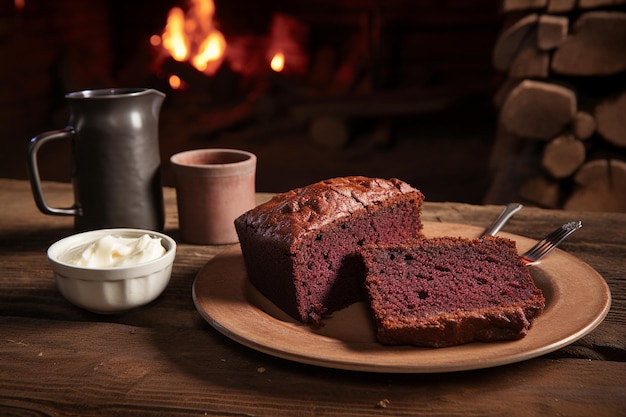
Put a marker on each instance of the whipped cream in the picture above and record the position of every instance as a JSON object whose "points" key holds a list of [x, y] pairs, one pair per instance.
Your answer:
{"points": [[112, 251]]}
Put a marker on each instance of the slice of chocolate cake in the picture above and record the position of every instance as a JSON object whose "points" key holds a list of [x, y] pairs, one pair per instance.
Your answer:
{"points": [[300, 248], [449, 291]]}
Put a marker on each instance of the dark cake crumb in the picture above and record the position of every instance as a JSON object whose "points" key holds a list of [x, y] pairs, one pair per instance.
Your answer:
{"points": [[448, 291]]}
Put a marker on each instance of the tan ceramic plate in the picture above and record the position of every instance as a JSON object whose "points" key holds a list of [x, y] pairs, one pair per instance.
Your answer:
{"points": [[577, 300]]}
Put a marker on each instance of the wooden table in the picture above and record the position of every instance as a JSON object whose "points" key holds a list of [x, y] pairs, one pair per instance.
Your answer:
{"points": [[164, 359]]}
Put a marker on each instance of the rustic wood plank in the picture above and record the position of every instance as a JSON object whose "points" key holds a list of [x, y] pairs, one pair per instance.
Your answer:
{"points": [[165, 360], [172, 371]]}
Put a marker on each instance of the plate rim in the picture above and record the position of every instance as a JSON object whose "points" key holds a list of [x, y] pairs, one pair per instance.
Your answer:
{"points": [[208, 292]]}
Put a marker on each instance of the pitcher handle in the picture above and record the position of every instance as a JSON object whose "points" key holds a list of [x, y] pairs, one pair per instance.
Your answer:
{"points": [[33, 171]]}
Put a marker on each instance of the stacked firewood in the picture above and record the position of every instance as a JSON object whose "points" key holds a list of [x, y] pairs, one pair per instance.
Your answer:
{"points": [[561, 140]]}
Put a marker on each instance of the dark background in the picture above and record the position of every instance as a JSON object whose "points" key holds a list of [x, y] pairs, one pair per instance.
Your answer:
{"points": [[439, 51]]}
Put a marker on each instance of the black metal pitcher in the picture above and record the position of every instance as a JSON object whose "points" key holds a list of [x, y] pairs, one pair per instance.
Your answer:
{"points": [[115, 157]]}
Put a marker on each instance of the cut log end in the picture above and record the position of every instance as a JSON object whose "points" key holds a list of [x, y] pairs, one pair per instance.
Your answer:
{"points": [[551, 31], [563, 156], [611, 119], [538, 110], [595, 47], [600, 185], [583, 125]]}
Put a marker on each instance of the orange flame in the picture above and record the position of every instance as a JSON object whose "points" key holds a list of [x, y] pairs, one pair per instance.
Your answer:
{"points": [[193, 37], [278, 62], [175, 82]]}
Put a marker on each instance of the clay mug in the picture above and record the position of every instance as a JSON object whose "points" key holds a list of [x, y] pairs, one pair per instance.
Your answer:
{"points": [[115, 159], [213, 188]]}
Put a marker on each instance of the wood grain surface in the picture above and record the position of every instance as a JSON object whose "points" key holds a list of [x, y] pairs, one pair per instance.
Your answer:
{"points": [[164, 359]]}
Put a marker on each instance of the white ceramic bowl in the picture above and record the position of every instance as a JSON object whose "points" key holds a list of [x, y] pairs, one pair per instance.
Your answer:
{"points": [[113, 289]]}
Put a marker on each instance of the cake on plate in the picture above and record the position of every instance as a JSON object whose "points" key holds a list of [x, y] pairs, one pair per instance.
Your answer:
{"points": [[300, 248]]}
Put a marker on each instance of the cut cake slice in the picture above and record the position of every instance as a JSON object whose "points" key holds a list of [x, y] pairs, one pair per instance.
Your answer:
{"points": [[449, 291]]}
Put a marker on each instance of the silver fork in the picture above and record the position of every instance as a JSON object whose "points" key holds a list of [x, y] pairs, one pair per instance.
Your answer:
{"points": [[508, 212], [544, 246]]}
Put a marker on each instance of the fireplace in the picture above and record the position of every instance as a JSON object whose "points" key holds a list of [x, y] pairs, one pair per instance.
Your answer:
{"points": [[390, 88]]}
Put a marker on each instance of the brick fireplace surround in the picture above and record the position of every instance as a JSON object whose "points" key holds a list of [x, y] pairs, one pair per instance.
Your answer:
{"points": [[434, 57]]}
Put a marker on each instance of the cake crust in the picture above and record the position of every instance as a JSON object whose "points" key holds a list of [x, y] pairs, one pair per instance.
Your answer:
{"points": [[288, 216]]}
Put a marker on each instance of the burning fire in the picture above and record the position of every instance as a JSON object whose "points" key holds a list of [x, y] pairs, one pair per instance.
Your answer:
{"points": [[278, 62], [192, 37]]}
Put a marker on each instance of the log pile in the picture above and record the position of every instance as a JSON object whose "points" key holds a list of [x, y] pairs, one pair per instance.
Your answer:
{"points": [[561, 140]]}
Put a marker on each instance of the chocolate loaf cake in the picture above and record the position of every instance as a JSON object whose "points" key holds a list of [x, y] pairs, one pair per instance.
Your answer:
{"points": [[300, 248], [449, 291]]}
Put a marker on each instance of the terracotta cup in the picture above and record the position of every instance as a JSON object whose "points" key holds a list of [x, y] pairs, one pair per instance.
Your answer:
{"points": [[213, 187]]}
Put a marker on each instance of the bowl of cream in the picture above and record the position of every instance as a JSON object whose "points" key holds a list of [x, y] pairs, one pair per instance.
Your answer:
{"points": [[112, 270]]}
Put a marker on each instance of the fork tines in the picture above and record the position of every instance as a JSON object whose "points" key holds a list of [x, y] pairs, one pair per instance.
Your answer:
{"points": [[544, 246]]}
